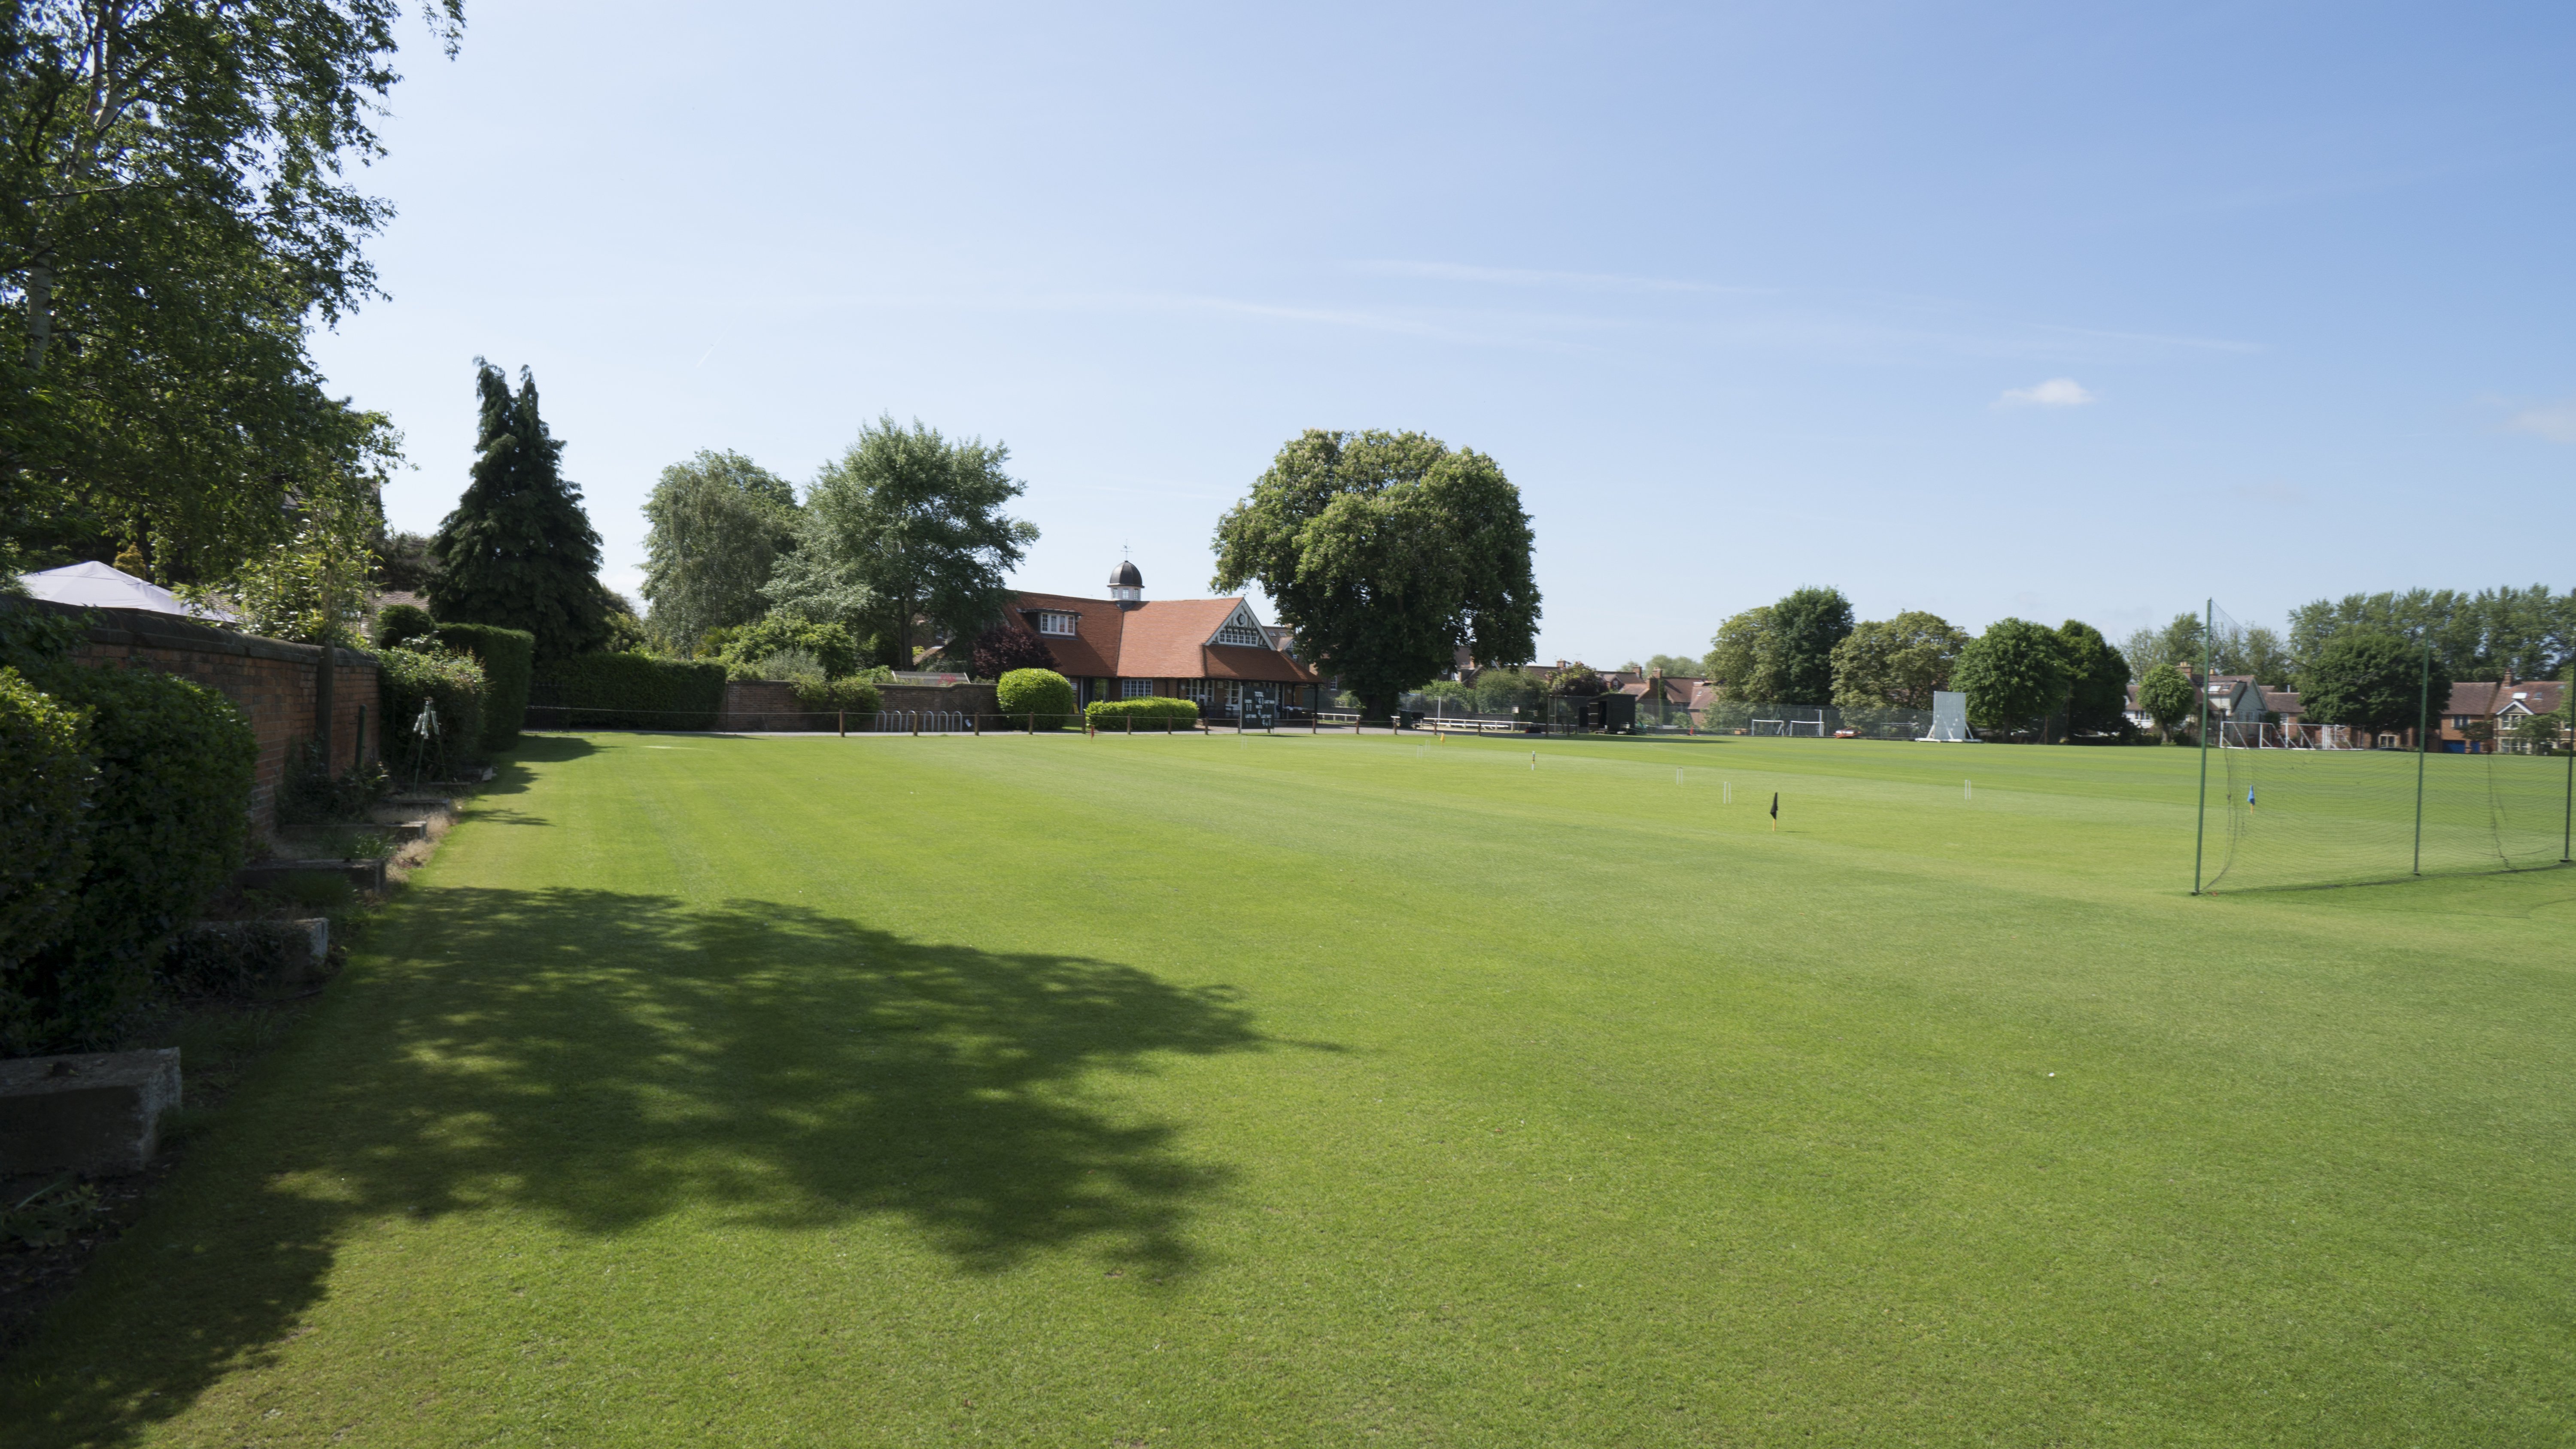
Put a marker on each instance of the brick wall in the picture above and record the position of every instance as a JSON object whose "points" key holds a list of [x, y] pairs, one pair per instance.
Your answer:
{"points": [[272, 682]]}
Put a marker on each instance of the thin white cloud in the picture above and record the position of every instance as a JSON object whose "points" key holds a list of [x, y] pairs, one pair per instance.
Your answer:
{"points": [[1527, 277], [2057, 392], [2554, 421]]}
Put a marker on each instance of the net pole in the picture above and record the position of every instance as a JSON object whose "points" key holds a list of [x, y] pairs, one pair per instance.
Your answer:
{"points": [[2200, 821], [2423, 727], [2567, 728]]}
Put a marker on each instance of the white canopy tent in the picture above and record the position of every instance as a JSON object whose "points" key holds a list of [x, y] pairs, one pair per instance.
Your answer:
{"points": [[98, 586]]}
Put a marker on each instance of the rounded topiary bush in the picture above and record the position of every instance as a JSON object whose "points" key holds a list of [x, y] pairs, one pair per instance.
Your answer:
{"points": [[399, 626], [44, 800], [169, 820], [1042, 693]]}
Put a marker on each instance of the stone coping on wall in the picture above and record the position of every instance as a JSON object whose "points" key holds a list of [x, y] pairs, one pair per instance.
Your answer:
{"points": [[144, 629]]}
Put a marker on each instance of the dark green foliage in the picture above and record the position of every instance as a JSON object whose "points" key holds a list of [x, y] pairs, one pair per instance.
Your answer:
{"points": [[1387, 552], [404, 563], [831, 645], [629, 691], [452, 687], [1897, 663], [170, 819], [2530, 631], [2014, 675], [2372, 681], [1115, 714], [1501, 691], [1805, 627], [519, 550], [237, 958], [2165, 693], [33, 636], [847, 695], [400, 626], [45, 783], [1042, 693], [2097, 681], [1006, 647], [312, 795], [175, 212], [1576, 681], [507, 656]]}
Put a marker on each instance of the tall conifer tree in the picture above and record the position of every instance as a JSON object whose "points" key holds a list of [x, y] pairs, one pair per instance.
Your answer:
{"points": [[519, 550]]}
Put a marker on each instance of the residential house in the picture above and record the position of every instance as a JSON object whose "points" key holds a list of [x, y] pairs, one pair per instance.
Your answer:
{"points": [[1214, 651], [2480, 714]]}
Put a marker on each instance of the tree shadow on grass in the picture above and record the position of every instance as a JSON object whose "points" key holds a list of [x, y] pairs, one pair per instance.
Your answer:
{"points": [[603, 1060]]}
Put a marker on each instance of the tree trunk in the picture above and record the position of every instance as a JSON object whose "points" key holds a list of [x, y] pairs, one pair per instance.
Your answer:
{"points": [[40, 313]]}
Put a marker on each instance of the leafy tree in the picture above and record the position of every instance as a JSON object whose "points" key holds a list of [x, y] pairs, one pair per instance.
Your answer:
{"points": [[173, 216], [2371, 680], [2530, 631], [404, 564], [1899, 662], [313, 587], [519, 550], [906, 528], [1003, 648], [1673, 666], [1805, 627], [1577, 681], [1501, 691], [2166, 693], [2014, 674], [1740, 658], [2259, 651], [1386, 552], [2097, 681], [834, 651], [718, 524]]}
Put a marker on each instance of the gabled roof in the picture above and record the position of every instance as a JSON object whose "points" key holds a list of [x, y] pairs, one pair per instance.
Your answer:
{"points": [[1166, 639]]}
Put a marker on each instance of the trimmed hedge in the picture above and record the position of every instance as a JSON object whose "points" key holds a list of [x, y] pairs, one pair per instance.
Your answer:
{"points": [[1040, 692], [508, 657], [852, 695], [742, 649], [632, 691], [44, 807], [1113, 714], [407, 679], [175, 766], [401, 626]]}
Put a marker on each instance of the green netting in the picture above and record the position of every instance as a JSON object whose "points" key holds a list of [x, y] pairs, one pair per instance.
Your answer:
{"points": [[2292, 807]]}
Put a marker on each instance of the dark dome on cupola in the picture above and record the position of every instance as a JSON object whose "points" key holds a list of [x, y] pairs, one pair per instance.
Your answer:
{"points": [[1125, 576]]}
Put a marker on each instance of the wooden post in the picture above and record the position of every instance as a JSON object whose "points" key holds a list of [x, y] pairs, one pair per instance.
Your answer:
{"points": [[322, 708], [844, 717], [1033, 722]]}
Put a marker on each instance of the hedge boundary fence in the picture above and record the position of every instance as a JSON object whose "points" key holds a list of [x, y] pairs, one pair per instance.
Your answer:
{"points": [[627, 691]]}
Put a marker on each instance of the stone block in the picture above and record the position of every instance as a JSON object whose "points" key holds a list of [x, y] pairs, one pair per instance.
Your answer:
{"points": [[94, 1112], [366, 875]]}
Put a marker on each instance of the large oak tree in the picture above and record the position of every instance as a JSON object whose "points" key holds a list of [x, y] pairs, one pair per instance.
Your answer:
{"points": [[1387, 552]]}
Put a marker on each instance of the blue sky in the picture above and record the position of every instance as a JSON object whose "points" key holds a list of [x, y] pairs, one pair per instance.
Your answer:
{"points": [[2051, 311]]}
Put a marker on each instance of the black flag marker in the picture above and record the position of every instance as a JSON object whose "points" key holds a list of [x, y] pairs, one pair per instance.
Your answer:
{"points": [[1775, 809]]}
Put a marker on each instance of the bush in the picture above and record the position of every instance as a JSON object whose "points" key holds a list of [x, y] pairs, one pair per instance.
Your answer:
{"points": [[833, 696], [1006, 647], [238, 958], [45, 783], [311, 794], [507, 656], [633, 691], [830, 644], [1113, 714], [1040, 692], [168, 825], [400, 626], [453, 686]]}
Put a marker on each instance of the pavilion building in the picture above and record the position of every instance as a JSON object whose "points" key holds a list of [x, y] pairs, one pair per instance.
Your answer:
{"points": [[1214, 651]]}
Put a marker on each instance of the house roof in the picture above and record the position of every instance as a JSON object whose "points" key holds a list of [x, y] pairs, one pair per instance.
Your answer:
{"points": [[2484, 698], [1166, 639]]}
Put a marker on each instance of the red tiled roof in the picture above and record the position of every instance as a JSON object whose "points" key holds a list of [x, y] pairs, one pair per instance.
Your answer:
{"points": [[1158, 639]]}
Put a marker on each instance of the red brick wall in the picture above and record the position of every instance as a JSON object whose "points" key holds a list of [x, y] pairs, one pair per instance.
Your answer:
{"points": [[272, 682]]}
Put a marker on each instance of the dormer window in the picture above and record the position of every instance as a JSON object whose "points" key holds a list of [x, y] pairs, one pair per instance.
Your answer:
{"points": [[1241, 634], [1051, 621]]}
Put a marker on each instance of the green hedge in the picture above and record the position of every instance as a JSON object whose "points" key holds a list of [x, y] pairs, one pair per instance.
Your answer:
{"points": [[838, 696], [168, 824], [630, 691], [406, 680], [1039, 692], [44, 808], [403, 626], [508, 656], [1113, 714], [742, 649]]}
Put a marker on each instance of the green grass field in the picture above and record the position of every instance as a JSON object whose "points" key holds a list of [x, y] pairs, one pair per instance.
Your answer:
{"points": [[1216, 1091]]}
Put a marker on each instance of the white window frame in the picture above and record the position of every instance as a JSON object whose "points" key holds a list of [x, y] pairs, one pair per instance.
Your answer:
{"points": [[1061, 625], [1135, 689]]}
